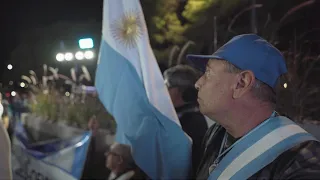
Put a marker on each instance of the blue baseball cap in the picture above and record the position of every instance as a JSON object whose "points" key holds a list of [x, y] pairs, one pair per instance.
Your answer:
{"points": [[248, 52]]}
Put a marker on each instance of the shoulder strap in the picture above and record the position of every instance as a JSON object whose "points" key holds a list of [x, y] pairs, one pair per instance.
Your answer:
{"points": [[242, 164]]}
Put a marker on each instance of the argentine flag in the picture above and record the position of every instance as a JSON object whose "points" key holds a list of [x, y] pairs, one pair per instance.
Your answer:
{"points": [[60, 159], [132, 89]]}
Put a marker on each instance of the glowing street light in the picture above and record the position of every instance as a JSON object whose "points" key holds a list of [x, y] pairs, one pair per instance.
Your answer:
{"points": [[9, 66], [22, 84], [67, 94], [60, 57], [285, 85], [86, 43], [88, 54], [79, 55], [68, 56], [13, 93]]}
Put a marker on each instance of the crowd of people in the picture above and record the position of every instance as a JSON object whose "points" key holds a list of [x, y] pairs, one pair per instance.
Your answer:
{"points": [[119, 163], [235, 87]]}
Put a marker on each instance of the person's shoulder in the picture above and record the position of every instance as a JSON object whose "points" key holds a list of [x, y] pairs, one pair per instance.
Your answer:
{"points": [[306, 151], [300, 162]]}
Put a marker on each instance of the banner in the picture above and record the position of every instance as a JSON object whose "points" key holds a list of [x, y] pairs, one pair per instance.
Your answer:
{"points": [[60, 159]]}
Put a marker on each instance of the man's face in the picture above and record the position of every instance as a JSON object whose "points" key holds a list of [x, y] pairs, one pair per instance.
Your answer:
{"points": [[175, 96], [113, 159], [215, 88]]}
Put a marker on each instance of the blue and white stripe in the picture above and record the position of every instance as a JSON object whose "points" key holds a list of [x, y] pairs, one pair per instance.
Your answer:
{"points": [[259, 148], [132, 89], [63, 159]]}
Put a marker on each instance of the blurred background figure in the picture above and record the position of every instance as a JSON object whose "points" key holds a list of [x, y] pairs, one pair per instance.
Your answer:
{"points": [[95, 162], [93, 125], [17, 106], [5, 114], [5, 150], [1, 106], [119, 160], [180, 81]]}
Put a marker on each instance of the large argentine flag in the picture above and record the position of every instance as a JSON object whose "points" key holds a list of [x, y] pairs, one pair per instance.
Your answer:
{"points": [[131, 87]]}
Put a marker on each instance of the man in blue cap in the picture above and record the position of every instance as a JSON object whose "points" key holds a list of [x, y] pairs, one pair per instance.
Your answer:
{"points": [[250, 140]]}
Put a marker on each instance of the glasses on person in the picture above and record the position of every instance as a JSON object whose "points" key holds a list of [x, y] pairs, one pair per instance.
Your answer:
{"points": [[112, 153]]}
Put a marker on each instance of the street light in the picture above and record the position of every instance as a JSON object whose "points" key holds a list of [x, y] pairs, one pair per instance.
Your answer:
{"points": [[68, 56], [79, 55], [22, 84], [9, 66], [86, 43], [13, 93], [60, 57], [285, 85], [88, 54]]}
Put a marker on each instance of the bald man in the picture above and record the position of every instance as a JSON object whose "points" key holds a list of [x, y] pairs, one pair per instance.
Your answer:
{"points": [[119, 160]]}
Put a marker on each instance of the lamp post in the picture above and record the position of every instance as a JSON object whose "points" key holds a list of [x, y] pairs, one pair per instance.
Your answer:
{"points": [[85, 52]]}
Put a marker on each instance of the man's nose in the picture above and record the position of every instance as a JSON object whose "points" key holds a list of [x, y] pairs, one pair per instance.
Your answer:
{"points": [[197, 85]]}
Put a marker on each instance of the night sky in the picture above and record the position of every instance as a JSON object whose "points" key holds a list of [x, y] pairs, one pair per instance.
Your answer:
{"points": [[19, 16]]}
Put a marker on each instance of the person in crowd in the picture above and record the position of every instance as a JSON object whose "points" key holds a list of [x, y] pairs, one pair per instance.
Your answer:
{"points": [[4, 112], [180, 81], [1, 107], [94, 167], [6, 117], [5, 150], [250, 140], [120, 161], [162, 67], [17, 106]]}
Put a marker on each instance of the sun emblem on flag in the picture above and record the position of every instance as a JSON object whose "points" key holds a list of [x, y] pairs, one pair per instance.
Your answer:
{"points": [[128, 29]]}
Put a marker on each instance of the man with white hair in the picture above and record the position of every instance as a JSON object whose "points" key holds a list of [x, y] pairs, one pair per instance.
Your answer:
{"points": [[120, 161], [250, 140], [180, 81]]}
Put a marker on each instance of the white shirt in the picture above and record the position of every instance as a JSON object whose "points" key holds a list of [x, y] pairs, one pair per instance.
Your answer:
{"points": [[126, 176]]}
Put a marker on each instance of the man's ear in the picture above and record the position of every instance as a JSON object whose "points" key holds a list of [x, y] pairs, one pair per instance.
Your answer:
{"points": [[243, 83]]}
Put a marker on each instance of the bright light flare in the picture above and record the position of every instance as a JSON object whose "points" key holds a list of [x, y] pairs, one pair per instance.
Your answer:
{"points": [[89, 54], [22, 84], [79, 55], [13, 93], [60, 57], [68, 56]]}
